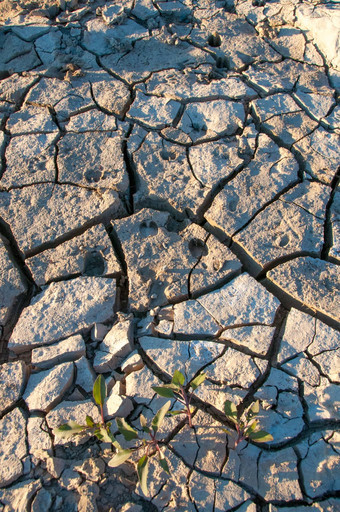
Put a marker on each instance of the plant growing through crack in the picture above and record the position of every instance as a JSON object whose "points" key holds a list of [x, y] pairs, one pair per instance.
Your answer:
{"points": [[102, 430], [149, 445], [246, 426], [176, 389]]}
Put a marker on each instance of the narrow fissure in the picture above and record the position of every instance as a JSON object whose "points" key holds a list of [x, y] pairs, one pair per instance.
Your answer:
{"points": [[123, 280], [130, 169], [328, 232]]}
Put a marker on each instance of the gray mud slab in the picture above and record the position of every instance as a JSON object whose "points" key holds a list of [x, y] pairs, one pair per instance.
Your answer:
{"points": [[243, 300], [63, 309], [321, 27], [153, 112], [46, 389], [293, 224], [335, 222], [14, 87], [43, 213], [116, 346], [13, 378], [313, 282], [22, 492], [268, 77], [67, 350], [321, 455], [320, 153], [187, 356], [213, 162], [177, 187], [101, 39], [257, 338], [90, 253], [30, 159], [95, 119], [271, 171], [17, 55], [12, 284], [239, 44], [161, 258], [288, 123], [66, 97], [110, 95], [154, 55], [31, 120], [92, 160], [213, 119], [192, 319], [13, 443], [195, 85]]}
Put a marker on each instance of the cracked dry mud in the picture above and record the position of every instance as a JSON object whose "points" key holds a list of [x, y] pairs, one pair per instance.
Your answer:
{"points": [[169, 200]]}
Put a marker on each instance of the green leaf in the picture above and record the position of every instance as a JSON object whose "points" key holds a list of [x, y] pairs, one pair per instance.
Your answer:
{"points": [[71, 425], [163, 463], [119, 458], [159, 417], [253, 410], [227, 431], [142, 470], [252, 427], [176, 413], [197, 381], [124, 428], [89, 421], [261, 436], [178, 378], [69, 429], [99, 390], [230, 410], [106, 435], [164, 391], [116, 445]]}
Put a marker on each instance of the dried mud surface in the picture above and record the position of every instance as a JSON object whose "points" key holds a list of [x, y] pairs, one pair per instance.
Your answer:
{"points": [[169, 199]]}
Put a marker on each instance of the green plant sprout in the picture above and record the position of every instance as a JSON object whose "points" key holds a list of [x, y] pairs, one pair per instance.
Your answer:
{"points": [[100, 430], [150, 447], [176, 389], [246, 426]]}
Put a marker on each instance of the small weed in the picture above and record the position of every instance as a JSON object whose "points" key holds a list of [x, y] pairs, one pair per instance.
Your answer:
{"points": [[100, 430], [149, 445], [176, 389], [246, 426]]}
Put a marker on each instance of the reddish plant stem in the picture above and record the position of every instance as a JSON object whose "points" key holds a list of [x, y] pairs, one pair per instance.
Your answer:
{"points": [[187, 405], [102, 414]]}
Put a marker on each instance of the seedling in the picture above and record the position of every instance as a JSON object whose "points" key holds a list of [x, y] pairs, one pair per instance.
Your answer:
{"points": [[246, 426], [149, 447], [176, 389], [101, 430]]}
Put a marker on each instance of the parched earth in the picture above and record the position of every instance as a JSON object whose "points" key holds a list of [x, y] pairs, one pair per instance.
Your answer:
{"points": [[169, 200]]}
